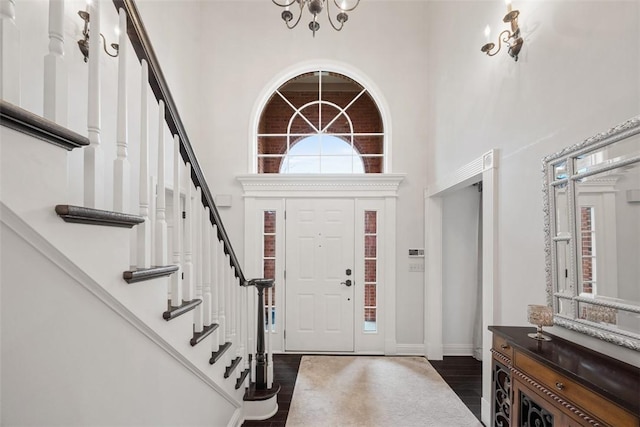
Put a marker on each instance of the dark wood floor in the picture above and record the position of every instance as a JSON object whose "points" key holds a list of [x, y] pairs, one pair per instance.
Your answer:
{"points": [[463, 374]]}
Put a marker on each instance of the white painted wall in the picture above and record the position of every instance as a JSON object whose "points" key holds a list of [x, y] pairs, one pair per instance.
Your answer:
{"points": [[574, 78], [244, 46], [460, 270], [68, 359]]}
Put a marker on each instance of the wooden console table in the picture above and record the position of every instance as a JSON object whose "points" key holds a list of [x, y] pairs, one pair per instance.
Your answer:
{"points": [[559, 383]]}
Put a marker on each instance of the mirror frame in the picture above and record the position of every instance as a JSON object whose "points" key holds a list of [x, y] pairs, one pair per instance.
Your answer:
{"points": [[627, 339]]}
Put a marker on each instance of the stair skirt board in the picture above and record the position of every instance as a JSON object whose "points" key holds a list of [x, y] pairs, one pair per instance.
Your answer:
{"points": [[142, 274], [82, 215], [42, 245]]}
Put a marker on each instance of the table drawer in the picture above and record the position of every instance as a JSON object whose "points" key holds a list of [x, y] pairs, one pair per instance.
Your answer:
{"points": [[501, 345], [585, 400]]}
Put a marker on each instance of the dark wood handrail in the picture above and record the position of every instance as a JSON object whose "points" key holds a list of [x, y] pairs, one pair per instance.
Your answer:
{"points": [[142, 46]]}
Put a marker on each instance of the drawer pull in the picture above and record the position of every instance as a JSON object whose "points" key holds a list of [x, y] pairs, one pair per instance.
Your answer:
{"points": [[559, 386], [504, 346]]}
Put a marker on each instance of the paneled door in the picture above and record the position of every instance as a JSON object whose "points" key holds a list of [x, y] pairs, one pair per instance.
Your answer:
{"points": [[319, 275]]}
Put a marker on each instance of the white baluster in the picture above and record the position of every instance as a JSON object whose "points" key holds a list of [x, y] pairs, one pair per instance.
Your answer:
{"points": [[176, 278], [206, 267], [188, 236], [270, 340], [227, 297], [9, 53], [222, 278], [234, 303], [161, 220], [121, 168], [214, 278], [55, 69], [93, 156], [197, 243], [143, 230]]}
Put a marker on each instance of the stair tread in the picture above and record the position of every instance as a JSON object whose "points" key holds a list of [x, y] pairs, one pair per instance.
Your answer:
{"points": [[206, 331], [29, 123], [175, 311], [232, 367], [142, 274], [252, 394], [82, 215], [242, 377], [216, 355]]}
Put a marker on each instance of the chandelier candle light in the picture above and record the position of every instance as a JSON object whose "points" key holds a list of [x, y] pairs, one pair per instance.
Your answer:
{"points": [[510, 37], [315, 7], [539, 315]]}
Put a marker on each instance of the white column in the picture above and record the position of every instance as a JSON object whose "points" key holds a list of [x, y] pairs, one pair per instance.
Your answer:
{"points": [[93, 156], [197, 243], [161, 220], [121, 168], [9, 53], [206, 266], [55, 69], [176, 278], [188, 236], [143, 230]]}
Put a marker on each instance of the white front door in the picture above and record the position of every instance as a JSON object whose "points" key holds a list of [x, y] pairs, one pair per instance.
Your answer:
{"points": [[319, 275]]}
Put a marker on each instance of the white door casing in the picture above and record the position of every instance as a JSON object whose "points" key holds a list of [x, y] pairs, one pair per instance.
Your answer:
{"points": [[367, 192], [319, 250]]}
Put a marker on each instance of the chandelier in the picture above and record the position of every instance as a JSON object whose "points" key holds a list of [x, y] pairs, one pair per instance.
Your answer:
{"points": [[316, 7]]}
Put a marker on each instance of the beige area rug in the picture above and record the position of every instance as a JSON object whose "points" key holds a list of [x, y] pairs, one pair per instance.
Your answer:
{"points": [[374, 391]]}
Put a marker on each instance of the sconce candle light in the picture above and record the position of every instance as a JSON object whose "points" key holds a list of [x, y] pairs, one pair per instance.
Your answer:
{"points": [[83, 43], [539, 315], [510, 37], [316, 7]]}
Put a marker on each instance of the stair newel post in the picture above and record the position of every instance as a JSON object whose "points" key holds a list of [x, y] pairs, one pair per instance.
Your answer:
{"points": [[188, 245], [9, 53], [206, 265], [143, 230], [197, 244], [55, 70], [93, 156], [213, 258], [261, 357], [121, 168], [176, 278], [161, 219]]}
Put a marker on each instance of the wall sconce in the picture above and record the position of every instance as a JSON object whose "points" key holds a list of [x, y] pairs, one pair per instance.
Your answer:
{"points": [[511, 38], [83, 43]]}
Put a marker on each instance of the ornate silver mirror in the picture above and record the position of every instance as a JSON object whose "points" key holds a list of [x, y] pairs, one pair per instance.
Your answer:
{"points": [[592, 228]]}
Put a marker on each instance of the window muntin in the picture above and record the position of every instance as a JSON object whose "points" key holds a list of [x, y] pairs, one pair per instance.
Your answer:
{"points": [[325, 105]]}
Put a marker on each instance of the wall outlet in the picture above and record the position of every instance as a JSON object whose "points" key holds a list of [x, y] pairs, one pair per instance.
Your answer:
{"points": [[416, 267]]}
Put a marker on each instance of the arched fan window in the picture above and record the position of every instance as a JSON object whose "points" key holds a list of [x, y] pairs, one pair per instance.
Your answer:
{"points": [[321, 122]]}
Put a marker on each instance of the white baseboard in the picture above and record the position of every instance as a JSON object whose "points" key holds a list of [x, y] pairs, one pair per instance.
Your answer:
{"points": [[410, 349], [457, 349], [485, 412]]}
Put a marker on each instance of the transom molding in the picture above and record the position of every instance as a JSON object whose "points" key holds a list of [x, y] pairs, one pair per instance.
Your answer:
{"points": [[319, 185]]}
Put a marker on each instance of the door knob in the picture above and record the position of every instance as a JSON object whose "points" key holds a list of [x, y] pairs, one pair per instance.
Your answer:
{"points": [[347, 282]]}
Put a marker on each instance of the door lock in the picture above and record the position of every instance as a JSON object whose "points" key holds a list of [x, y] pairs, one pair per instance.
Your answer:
{"points": [[348, 272], [347, 282]]}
